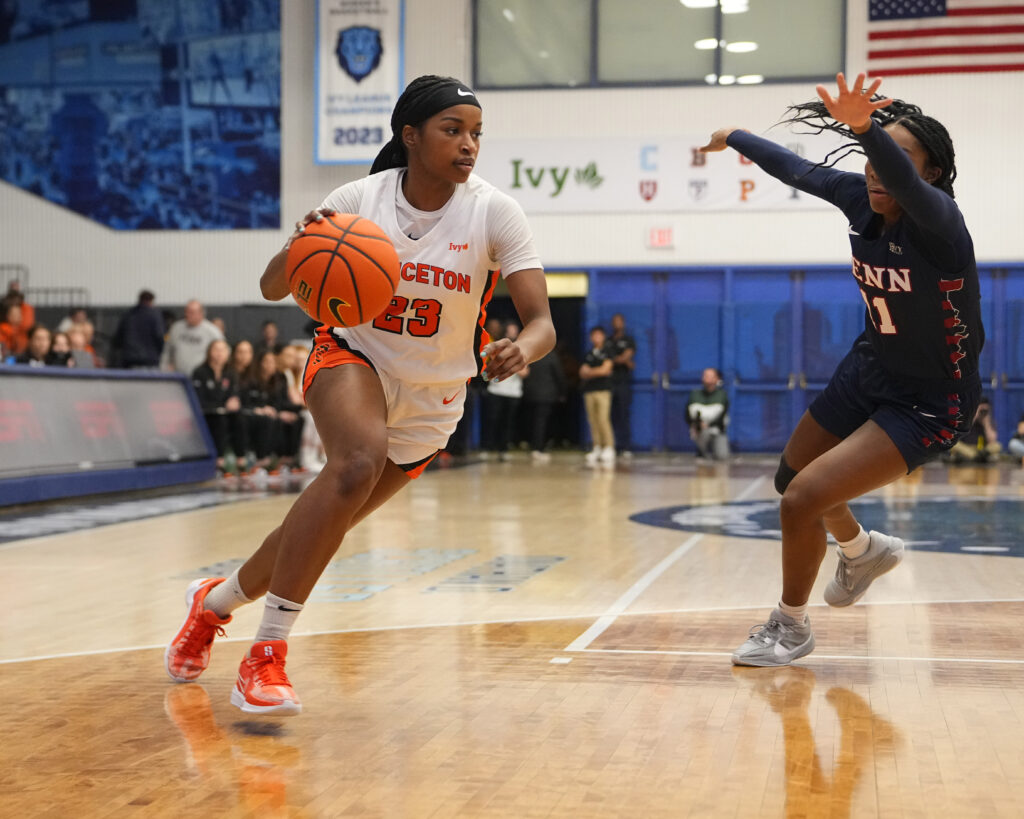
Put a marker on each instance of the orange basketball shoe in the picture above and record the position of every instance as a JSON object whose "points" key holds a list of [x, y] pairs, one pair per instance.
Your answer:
{"points": [[262, 686], [189, 652]]}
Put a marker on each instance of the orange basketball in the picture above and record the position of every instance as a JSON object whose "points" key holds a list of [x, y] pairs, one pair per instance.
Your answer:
{"points": [[343, 270]]}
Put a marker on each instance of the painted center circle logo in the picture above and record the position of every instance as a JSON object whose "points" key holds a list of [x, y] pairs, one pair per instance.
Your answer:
{"points": [[963, 525]]}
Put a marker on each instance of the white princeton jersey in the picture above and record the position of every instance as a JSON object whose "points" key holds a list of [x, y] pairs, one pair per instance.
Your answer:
{"points": [[432, 332]]}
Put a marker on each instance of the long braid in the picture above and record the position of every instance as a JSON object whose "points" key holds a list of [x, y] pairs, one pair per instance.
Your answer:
{"points": [[931, 133]]}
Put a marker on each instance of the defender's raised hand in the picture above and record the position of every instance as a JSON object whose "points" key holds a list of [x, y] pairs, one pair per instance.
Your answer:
{"points": [[853, 106]]}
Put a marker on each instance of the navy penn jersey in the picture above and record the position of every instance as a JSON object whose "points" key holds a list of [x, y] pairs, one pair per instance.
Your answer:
{"points": [[918, 278]]}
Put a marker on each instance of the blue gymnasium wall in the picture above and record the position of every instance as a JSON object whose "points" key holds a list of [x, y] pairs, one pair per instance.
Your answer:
{"points": [[776, 333], [145, 114]]}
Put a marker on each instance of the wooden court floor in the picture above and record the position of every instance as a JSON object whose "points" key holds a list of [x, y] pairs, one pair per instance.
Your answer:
{"points": [[520, 640]]}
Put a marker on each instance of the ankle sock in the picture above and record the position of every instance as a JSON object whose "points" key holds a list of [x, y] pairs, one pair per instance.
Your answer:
{"points": [[225, 597], [797, 613], [279, 615], [855, 547]]}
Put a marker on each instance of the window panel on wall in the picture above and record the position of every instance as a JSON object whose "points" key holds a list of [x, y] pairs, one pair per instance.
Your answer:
{"points": [[533, 43], [775, 39], [654, 41]]}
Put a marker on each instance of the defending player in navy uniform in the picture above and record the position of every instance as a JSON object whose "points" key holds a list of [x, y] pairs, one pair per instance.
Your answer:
{"points": [[385, 395], [908, 388]]}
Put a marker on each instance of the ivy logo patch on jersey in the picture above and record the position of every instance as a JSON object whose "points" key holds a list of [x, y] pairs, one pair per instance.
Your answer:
{"points": [[359, 50]]}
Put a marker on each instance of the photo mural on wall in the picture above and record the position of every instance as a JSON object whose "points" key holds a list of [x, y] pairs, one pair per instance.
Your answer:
{"points": [[145, 114]]}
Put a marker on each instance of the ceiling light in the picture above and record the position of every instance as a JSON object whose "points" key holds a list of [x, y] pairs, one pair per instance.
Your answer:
{"points": [[710, 79], [509, 15], [699, 4], [735, 6], [750, 79], [706, 44], [741, 47], [726, 79]]}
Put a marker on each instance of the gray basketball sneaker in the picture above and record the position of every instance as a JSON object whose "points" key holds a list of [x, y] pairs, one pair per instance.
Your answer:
{"points": [[854, 576], [777, 642]]}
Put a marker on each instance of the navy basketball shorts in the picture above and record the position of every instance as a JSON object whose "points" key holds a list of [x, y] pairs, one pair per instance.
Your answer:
{"points": [[924, 419]]}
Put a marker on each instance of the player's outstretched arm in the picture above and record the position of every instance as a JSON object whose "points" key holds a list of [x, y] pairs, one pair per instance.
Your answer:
{"points": [[718, 141], [273, 282], [529, 292]]}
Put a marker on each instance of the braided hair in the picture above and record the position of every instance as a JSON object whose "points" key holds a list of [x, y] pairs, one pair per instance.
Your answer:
{"points": [[423, 98], [931, 133]]}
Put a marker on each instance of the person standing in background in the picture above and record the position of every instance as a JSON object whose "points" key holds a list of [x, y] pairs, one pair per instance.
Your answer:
{"points": [[138, 341], [596, 385], [189, 339], [543, 389], [268, 342], [503, 399], [623, 350]]}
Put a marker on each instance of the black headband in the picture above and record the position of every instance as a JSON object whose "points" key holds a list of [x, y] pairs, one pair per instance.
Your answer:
{"points": [[425, 97]]}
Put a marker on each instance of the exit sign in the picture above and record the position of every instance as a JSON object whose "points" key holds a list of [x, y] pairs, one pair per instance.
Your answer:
{"points": [[661, 238]]}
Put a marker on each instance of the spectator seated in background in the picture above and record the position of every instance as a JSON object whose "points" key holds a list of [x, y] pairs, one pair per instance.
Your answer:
{"points": [[708, 413], [1015, 446], [39, 340], [217, 391], [14, 295], [13, 336], [60, 351], [292, 406], [241, 358], [260, 388], [981, 443], [75, 316], [82, 357]]}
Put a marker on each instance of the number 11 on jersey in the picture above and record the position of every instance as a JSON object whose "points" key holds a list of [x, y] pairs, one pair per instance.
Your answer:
{"points": [[883, 323]]}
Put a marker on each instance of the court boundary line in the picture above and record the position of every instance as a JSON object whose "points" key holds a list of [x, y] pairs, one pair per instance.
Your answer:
{"points": [[599, 626], [505, 621]]}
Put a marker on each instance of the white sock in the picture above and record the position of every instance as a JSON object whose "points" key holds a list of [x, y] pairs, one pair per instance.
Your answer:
{"points": [[279, 616], [225, 597], [855, 547], [798, 613]]}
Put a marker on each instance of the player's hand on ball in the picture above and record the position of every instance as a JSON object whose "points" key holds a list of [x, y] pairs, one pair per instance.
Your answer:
{"points": [[313, 216], [504, 358], [718, 140]]}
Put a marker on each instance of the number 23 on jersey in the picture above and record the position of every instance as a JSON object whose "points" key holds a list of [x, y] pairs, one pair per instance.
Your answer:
{"points": [[422, 323]]}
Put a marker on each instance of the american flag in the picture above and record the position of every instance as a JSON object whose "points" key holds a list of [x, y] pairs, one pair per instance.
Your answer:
{"points": [[944, 36]]}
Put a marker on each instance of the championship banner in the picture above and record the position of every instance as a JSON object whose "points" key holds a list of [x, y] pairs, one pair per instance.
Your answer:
{"points": [[624, 175], [360, 70]]}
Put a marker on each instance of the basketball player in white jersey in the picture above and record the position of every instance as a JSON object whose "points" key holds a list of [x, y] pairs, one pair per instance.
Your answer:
{"points": [[385, 395]]}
